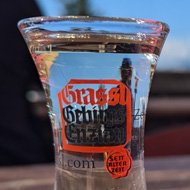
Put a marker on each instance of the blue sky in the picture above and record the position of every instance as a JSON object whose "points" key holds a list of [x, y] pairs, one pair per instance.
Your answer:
{"points": [[176, 13]]}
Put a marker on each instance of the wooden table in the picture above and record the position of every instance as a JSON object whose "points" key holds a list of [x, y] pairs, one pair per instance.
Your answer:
{"points": [[172, 173]]}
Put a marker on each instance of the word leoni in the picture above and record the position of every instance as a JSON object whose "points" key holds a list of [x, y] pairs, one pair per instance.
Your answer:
{"points": [[91, 96]]}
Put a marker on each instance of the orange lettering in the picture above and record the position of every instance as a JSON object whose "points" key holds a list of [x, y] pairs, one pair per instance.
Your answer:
{"points": [[113, 96], [79, 101], [101, 96], [90, 97], [70, 94], [123, 95]]}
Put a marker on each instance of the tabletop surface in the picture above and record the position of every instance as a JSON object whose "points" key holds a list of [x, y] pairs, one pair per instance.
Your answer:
{"points": [[169, 173]]}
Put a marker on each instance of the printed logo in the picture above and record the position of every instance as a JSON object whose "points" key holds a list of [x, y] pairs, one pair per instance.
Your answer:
{"points": [[119, 163], [96, 116]]}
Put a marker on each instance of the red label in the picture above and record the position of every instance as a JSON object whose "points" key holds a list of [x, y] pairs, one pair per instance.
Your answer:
{"points": [[119, 163], [96, 115]]}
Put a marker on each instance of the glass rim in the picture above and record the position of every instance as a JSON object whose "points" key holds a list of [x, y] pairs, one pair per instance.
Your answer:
{"points": [[35, 20]]}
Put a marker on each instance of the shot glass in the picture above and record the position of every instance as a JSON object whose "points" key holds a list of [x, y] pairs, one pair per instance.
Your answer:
{"points": [[96, 73]]}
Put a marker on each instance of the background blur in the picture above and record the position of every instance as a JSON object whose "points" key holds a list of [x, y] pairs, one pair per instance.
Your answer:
{"points": [[168, 115], [24, 123]]}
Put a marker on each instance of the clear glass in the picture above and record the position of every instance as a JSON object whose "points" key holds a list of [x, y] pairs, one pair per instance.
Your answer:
{"points": [[96, 73]]}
